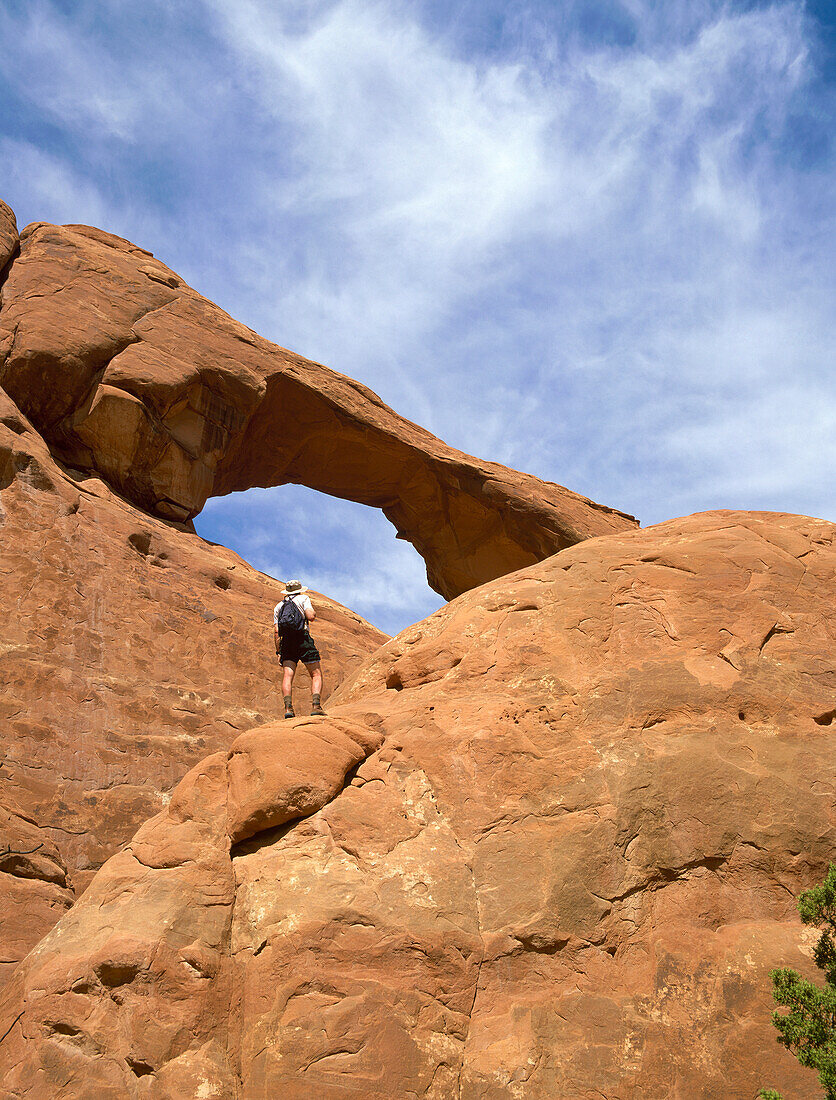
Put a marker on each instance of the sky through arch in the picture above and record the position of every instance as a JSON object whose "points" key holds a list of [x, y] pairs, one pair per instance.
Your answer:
{"points": [[345, 549]]}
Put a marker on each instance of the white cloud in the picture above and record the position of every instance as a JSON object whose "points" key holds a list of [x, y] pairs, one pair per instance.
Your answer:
{"points": [[89, 70], [55, 187], [413, 166], [754, 457]]}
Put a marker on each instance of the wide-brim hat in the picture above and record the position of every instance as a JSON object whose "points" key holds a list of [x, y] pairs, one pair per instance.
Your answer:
{"points": [[294, 588]]}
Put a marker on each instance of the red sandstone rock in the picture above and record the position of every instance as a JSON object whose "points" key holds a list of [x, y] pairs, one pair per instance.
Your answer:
{"points": [[130, 649], [34, 891], [131, 374], [158, 917], [8, 238], [566, 872], [546, 844]]}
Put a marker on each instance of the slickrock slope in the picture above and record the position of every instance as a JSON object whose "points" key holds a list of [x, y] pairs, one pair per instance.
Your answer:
{"points": [[565, 873], [131, 374], [130, 649]]}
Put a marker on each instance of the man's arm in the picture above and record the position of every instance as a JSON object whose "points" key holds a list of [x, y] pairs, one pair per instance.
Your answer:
{"points": [[310, 614]]}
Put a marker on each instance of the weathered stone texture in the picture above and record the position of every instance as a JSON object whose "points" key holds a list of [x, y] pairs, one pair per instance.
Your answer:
{"points": [[141, 981], [8, 238], [566, 871]]}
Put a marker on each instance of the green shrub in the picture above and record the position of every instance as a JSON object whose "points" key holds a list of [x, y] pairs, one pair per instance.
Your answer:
{"points": [[808, 1027]]}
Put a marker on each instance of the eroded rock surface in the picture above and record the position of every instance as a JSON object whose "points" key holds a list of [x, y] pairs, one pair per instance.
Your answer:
{"points": [[34, 890], [8, 237], [130, 649], [158, 918], [133, 375], [565, 873]]}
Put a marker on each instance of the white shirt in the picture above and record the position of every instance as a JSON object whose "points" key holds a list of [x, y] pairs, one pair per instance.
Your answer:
{"points": [[304, 604]]}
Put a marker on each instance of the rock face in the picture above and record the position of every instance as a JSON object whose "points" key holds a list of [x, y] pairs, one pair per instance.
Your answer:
{"points": [[130, 650], [8, 236], [547, 844], [174, 929], [131, 374]]}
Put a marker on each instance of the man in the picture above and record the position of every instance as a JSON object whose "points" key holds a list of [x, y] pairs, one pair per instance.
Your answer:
{"points": [[294, 643]]}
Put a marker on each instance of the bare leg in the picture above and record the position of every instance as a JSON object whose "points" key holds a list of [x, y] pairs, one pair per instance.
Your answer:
{"points": [[288, 670], [315, 673]]}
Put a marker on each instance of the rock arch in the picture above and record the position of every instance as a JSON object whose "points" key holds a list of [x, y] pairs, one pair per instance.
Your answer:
{"points": [[131, 374]]}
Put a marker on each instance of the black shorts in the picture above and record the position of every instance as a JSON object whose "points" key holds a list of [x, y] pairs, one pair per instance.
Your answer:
{"points": [[298, 647]]}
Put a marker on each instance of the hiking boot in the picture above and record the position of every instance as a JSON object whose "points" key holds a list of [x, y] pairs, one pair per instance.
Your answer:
{"points": [[317, 706], [289, 712]]}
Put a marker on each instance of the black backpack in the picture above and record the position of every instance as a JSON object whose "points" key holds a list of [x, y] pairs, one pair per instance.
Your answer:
{"points": [[291, 620]]}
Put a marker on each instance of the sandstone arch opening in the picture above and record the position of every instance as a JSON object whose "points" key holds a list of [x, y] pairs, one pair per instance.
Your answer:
{"points": [[338, 547]]}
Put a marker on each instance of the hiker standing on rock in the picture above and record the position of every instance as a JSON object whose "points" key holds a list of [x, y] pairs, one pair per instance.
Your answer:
{"points": [[294, 643]]}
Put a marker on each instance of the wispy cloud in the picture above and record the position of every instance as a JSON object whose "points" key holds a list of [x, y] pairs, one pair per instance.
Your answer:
{"points": [[50, 181], [592, 240]]}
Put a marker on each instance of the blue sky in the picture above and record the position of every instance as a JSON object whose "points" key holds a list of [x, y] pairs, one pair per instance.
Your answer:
{"points": [[592, 240]]}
